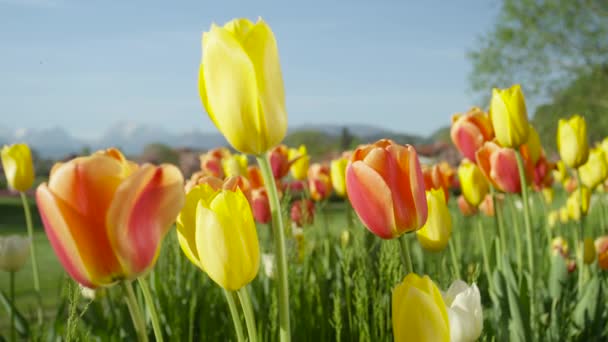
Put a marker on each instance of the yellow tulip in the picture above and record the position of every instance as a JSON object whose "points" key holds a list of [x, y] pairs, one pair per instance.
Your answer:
{"points": [[532, 149], [572, 141], [216, 231], [560, 173], [235, 165], [552, 218], [563, 215], [474, 185], [338, 175], [574, 204], [548, 195], [595, 171], [435, 233], [419, 312], [588, 251], [18, 166], [241, 85], [299, 168], [509, 116], [604, 145]]}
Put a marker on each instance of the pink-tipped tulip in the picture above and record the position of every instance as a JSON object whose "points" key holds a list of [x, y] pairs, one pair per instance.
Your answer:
{"points": [[470, 131], [385, 186], [106, 217], [499, 165], [319, 181], [260, 205]]}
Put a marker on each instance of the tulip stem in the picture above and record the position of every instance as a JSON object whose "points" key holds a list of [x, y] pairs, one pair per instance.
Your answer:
{"points": [[145, 288], [279, 244], [248, 311], [528, 224], [405, 254], [455, 263], [580, 234], [234, 312], [517, 235], [30, 233], [12, 294], [484, 250], [498, 221], [135, 311]]}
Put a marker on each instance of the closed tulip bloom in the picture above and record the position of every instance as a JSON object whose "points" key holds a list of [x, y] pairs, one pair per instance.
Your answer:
{"points": [[487, 206], [574, 204], [601, 247], [319, 181], [279, 161], [385, 186], [464, 311], [588, 251], [532, 149], [338, 175], [572, 141], [418, 311], [217, 233], [465, 207], [18, 166], [302, 212], [499, 165], [563, 215], [106, 217], [211, 165], [301, 161], [560, 174], [241, 85], [470, 131], [254, 175], [260, 205], [509, 116], [436, 232], [473, 183], [438, 176], [548, 195], [595, 171], [559, 246], [552, 218], [235, 165], [14, 250], [542, 177]]}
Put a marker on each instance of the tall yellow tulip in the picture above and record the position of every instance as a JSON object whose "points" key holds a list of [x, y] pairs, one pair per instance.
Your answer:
{"points": [[217, 233], [18, 166], [572, 141], [338, 175], [574, 204], [419, 312], [435, 234], [509, 116], [299, 168], [473, 183], [241, 85], [595, 171]]}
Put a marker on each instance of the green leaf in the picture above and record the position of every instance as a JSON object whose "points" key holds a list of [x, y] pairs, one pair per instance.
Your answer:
{"points": [[21, 324], [558, 276]]}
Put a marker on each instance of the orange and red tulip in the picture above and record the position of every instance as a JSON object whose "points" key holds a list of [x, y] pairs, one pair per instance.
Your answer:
{"points": [[211, 164], [499, 165], [279, 161], [601, 247], [470, 131], [260, 205], [303, 212], [106, 217], [465, 208], [254, 175], [386, 188], [543, 173], [319, 181], [487, 206], [437, 177]]}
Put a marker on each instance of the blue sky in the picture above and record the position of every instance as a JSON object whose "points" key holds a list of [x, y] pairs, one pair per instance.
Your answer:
{"points": [[85, 65]]}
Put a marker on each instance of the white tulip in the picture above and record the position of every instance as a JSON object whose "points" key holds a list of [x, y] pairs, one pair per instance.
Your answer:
{"points": [[464, 311], [14, 250]]}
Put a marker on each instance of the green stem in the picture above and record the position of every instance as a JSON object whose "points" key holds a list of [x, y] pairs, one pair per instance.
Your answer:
{"points": [[279, 245], [484, 250], [528, 224], [145, 288], [30, 233], [498, 219], [405, 254], [12, 294], [136, 315], [517, 233], [238, 326], [581, 233], [248, 311], [455, 263]]}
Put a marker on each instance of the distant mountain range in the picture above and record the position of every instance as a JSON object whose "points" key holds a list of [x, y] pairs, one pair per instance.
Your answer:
{"points": [[132, 138]]}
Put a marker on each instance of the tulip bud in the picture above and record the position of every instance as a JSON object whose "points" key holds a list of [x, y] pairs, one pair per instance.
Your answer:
{"points": [[18, 166], [300, 161], [588, 251], [279, 161], [470, 131], [429, 321], [386, 189], [319, 182], [595, 171], [464, 311], [473, 183], [344, 238], [543, 177], [235, 165], [254, 175], [217, 233], [211, 164], [509, 116], [560, 173], [572, 141], [241, 85], [303, 212], [260, 205], [487, 206], [574, 204], [14, 250], [465, 207], [338, 175], [601, 247], [499, 165], [438, 176], [436, 232]]}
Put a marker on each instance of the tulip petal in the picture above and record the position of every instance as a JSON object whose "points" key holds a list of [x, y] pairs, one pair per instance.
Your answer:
{"points": [[371, 198], [467, 137], [141, 213], [227, 84], [82, 248], [504, 170], [262, 49]]}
